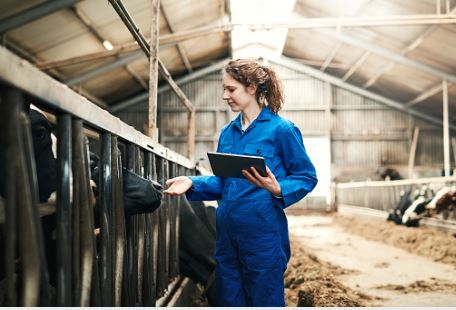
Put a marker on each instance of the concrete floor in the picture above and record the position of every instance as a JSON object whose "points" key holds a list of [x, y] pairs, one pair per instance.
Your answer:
{"points": [[374, 263]]}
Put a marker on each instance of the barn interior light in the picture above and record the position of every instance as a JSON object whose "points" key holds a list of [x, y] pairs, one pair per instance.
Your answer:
{"points": [[245, 14], [107, 45]]}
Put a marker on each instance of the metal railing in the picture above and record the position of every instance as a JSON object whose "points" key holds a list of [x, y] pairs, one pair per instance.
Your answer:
{"points": [[133, 261]]}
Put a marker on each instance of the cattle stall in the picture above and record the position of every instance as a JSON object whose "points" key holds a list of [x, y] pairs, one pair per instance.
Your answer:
{"points": [[132, 261], [379, 198]]}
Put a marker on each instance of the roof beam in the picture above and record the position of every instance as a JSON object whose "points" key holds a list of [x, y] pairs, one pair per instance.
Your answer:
{"points": [[413, 45], [426, 94], [36, 12], [357, 21], [356, 65], [289, 63], [85, 20], [165, 40], [331, 56], [122, 61], [188, 78], [394, 56], [179, 47]]}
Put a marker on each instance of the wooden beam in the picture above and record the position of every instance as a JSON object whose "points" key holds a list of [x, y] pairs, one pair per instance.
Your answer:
{"points": [[412, 154], [165, 40], [191, 133], [153, 72], [174, 87], [331, 56]]}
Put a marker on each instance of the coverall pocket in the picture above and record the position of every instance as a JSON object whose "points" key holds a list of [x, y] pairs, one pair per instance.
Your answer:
{"points": [[263, 150]]}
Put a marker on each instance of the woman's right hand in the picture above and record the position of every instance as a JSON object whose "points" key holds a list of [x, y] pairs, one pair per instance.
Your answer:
{"points": [[178, 186]]}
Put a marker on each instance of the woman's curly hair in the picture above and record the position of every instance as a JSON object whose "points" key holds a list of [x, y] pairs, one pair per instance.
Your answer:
{"points": [[249, 72]]}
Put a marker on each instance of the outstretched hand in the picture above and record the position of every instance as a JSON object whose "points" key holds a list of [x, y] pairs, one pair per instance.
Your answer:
{"points": [[268, 182], [178, 186]]}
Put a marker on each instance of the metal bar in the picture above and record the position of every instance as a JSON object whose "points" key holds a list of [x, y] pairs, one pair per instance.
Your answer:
{"points": [[446, 130], [75, 225], [29, 252], [14, 71], [151, 246], [9, 126], [397, 57], [162, 272], [45, 294], [36, 12], [166, 208], [95, 292], [141, 223], [82, 202], [118, 222], [131, 26], [358, 90], [396, 183], [174, 220], [63, 229], [106, 277], [132, 239]]}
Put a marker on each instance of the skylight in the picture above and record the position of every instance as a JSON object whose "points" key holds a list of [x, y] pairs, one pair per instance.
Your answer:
{"points": [[248, 43]]}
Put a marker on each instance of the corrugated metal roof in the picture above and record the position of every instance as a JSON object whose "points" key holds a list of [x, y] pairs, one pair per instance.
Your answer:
{"points": [[79, 29]]}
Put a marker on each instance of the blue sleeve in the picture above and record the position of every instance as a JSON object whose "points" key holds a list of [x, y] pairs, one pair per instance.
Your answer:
{"points": [[301, 177], [205, 188]]}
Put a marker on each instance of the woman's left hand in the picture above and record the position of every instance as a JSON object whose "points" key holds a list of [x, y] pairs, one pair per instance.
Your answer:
{"points": [[269, 182]]}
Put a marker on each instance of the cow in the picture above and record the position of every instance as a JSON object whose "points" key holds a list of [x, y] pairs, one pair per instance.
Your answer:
{"points": [[409, 211], [444, 202]]}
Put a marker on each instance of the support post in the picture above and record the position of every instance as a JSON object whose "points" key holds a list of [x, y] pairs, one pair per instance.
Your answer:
{"points": [[153, 73], [446, 130], [191, 134], [411, 162]]}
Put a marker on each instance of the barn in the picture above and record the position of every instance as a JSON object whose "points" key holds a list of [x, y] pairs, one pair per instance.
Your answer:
{"points": [[102, 102]]}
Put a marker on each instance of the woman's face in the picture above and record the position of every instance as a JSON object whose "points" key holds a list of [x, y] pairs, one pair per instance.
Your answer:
{"points": [[237, 95]]}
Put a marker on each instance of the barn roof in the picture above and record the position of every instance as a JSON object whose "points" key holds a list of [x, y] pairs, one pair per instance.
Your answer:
{"points": [[400, 50]]}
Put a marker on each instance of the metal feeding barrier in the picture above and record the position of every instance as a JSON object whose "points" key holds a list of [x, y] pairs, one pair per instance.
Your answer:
{"points": [[132, 262], [378, 198]]}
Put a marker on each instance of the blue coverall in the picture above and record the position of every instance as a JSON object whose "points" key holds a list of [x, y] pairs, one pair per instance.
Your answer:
{"points": [[252, 247]]}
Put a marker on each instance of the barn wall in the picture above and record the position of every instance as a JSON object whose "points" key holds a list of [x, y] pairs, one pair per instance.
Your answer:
{"points": [[365, 135]]}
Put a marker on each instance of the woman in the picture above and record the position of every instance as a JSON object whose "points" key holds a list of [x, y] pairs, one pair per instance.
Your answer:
{"points": [[252, 248]]}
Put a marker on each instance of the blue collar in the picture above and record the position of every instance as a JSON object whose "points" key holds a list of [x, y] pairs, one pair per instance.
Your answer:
{"points": [[265, 115]]}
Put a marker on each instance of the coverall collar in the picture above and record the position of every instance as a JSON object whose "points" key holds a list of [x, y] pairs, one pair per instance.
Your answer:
{"points": [[265, 115]]}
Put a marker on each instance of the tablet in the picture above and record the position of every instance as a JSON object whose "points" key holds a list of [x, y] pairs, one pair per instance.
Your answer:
{"points": [[231, 165]]}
